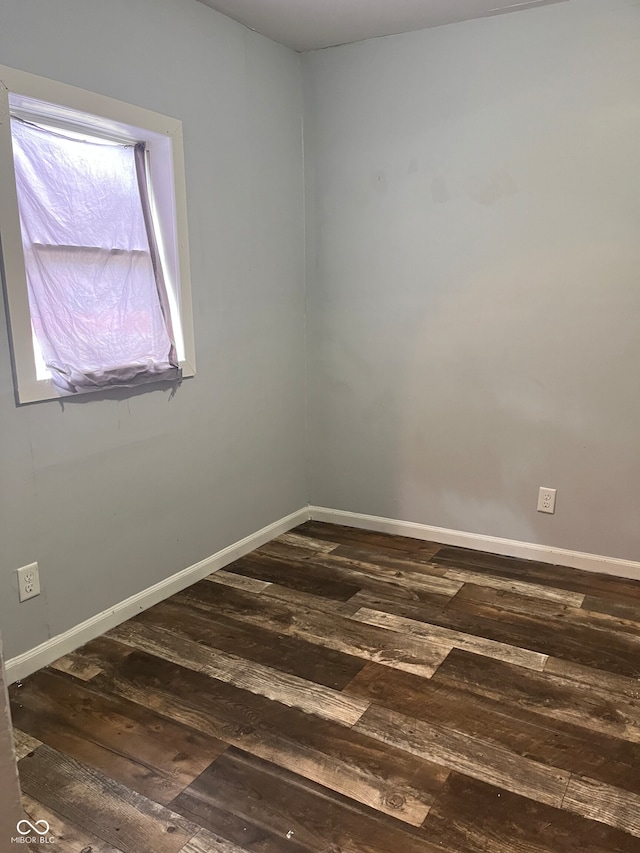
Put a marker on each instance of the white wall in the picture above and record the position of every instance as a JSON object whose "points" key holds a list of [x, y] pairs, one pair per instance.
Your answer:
{"points": [[110, 496], [473, 198]]}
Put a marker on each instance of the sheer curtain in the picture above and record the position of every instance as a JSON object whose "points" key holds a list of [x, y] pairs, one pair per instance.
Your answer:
{"points": [[97, 297]]}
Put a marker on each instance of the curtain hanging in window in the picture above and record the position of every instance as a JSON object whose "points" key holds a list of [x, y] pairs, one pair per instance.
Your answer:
{"points": [[97, 296]]}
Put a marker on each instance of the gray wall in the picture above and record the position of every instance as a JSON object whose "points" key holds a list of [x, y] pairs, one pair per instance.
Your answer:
{"points": [[473, 197], [473, 211], [111, 496]]}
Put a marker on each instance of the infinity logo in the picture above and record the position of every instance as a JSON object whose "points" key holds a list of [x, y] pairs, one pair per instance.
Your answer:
{"points": [[32, 827]]}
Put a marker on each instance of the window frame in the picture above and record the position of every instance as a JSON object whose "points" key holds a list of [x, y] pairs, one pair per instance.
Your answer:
{"points": [[69, 107]]}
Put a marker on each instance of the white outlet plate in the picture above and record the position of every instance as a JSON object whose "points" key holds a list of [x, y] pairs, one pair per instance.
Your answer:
{"points": [[28, 582], [546, 500]]}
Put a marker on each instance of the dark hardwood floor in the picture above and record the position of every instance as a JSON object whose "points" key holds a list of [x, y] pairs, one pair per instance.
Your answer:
{"points": [[341, 691]]}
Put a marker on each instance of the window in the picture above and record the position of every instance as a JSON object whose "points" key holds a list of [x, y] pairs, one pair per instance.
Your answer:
{"points": [[94, 240]]}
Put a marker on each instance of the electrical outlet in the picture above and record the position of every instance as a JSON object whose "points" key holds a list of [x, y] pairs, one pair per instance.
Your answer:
{"points": [[546, 500], [28, 582]]}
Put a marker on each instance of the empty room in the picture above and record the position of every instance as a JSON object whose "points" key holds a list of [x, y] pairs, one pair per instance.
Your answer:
{"points": [[319, 406]]}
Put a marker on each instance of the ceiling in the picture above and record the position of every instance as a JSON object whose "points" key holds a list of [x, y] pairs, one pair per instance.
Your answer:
{"points": [[312, 24]]}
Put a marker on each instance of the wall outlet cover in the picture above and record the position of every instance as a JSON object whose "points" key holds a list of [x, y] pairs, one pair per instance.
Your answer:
{"points": [[546, 499], [28, 582]]}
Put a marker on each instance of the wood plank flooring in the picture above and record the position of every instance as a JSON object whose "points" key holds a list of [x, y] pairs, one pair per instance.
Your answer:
{"points": [[342, 691]]}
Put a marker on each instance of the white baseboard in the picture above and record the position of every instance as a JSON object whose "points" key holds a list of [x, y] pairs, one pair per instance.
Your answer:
{"points": [[478, 542], [23, 665]]}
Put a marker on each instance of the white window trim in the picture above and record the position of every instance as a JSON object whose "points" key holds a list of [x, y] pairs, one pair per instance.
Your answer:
{"points": [[68, 106]]}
